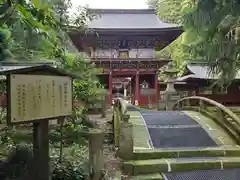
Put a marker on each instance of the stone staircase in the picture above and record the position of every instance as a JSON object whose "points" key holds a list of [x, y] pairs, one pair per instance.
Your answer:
{"points": [[177, 145], [155, 163]]}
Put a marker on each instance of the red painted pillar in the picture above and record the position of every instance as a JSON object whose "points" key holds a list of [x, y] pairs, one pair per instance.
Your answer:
{"points": [[110, 88], [156, 87], [137, 92]]}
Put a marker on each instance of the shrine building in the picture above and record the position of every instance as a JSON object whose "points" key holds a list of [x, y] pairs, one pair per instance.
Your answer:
{"points": [[198, 80], [123, 43]]}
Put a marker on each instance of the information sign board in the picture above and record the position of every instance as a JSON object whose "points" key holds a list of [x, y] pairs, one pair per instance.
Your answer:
{"points": [[35, 97]]}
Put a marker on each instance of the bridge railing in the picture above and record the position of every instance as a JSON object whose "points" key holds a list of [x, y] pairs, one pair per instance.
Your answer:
{"points": [[216, 111], [122, 129]]}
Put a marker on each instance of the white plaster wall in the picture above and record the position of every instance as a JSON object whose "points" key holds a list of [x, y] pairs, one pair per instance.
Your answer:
{"points": [[105, 53], [146, 53], [133, 53], [142, 53]]}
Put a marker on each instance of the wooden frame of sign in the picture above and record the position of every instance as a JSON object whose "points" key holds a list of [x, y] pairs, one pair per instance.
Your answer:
{"points": [[37, 97], [28, 86]]}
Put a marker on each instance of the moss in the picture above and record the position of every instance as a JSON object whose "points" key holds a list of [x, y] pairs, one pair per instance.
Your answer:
{"points": [[195, 165], [184, 164], [154, 176], [144, 154], [233, 162]]}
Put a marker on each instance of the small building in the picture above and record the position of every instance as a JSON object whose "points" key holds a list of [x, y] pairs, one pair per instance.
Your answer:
{"points": [[123, 43], [197, 80]]}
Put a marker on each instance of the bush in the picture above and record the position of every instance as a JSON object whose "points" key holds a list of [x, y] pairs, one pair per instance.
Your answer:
{"points": [[19, 162], [67, 171]]}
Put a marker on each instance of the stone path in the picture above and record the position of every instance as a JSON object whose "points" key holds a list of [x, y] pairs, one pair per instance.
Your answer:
{"points": [[175, 129]]}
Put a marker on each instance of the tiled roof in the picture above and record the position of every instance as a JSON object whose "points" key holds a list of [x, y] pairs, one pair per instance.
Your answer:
{"points": [[128, 19], [201, 72]]}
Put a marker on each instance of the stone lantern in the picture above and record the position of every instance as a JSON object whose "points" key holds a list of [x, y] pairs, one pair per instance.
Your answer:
{"points": [[170, 96]]}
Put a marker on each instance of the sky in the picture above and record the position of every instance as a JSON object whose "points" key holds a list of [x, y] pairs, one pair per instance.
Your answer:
{"points": [[112, 4]]}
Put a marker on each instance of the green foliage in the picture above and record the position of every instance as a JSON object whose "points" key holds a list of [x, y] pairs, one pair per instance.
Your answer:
{"points": [[87, 88], [5, 42], [170, 10], [20, 164], [75, 150], [212, 34], [152, 4], [19, 161], [38, 27], [67, 171], [37, 30]]}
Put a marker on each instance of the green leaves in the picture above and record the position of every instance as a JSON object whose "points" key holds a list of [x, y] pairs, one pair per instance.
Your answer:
{"points": [[187, 6], [215, 27], [212, 34], [36, 31]]}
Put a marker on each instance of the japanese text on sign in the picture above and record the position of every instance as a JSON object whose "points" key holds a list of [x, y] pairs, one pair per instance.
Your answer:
{"points": [[39, 97]]}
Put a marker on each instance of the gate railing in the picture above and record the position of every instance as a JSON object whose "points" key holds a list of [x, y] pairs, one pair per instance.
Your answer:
{"points": [[214, 110]]}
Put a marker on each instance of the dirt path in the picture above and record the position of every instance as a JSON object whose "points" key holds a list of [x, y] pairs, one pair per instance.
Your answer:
{"points": [[112, 164]]}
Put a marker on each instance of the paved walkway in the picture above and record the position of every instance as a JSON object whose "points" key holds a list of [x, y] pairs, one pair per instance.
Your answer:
{"points": [[183, 129], [175, 129]]}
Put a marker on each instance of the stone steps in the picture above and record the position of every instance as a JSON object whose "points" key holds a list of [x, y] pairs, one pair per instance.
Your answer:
{"points": [[153, 176], [137, 167], [228, 151]]}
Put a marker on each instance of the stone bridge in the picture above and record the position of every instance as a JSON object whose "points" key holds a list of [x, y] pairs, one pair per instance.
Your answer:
{"points": [[190, 143]]}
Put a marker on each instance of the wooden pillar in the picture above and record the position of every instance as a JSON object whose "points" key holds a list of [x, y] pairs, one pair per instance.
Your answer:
{"points": [[110, 88], [156, 87], [41, 150], [137, 85]]}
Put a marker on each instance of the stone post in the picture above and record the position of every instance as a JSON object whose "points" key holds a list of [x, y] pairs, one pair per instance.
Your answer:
{"points": [[96, 162], [201, 105], [117, 122], [110, 88], [104, 106], [150, 105], [125, 150], [125, 91], [137, 89], [170, 96]]}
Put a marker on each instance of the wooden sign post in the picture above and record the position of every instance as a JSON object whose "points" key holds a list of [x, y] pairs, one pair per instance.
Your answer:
{"points": [[34, 98]]}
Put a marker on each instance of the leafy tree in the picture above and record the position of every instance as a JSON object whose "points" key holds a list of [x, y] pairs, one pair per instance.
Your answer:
{"points": [[170, 11], [37, 30], [212, 33], [152, 4]]}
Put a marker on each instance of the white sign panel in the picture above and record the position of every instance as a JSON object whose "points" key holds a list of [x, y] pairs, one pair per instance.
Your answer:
{"points": [[34, 97]]}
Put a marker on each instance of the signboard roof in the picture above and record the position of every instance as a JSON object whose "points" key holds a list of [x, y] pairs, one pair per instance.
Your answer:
{"points": [[21, 69]]}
